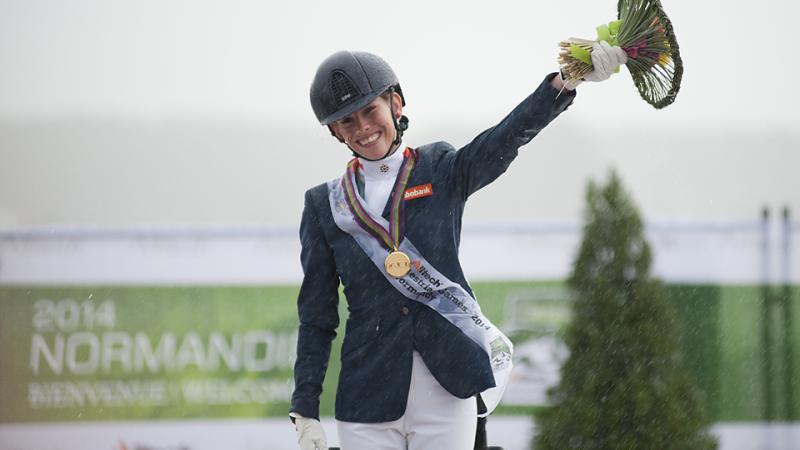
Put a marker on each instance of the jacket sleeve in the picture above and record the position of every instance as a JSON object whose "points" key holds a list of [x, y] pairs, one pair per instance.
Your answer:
{"points": [[488, 155], [317, 308]]}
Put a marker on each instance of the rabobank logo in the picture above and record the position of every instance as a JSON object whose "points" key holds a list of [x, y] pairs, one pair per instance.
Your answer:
{"points": [[424, 190]]}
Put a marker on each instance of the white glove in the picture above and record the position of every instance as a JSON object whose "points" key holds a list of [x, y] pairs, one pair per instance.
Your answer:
{"points": [[605, 60], [310, 434]]}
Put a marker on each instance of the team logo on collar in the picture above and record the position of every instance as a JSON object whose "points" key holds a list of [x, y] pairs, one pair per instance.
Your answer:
{"points": [[423, 190]]}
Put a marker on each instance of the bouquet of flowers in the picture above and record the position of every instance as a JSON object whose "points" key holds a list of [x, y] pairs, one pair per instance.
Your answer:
{"points": [[645, 33]]}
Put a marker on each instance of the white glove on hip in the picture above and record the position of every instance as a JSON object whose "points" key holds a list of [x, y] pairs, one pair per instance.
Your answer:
{"points": [[310, 434], [605, 60]]}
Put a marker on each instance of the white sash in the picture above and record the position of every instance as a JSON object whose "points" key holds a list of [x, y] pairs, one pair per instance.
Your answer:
{"points": [[428, 286]]}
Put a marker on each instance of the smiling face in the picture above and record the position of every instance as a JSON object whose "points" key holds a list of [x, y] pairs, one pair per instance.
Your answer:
{"points": [[370, 130]]}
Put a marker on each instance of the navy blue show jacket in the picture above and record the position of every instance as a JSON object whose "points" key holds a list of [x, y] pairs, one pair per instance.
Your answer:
{"points": [[384, 327]]}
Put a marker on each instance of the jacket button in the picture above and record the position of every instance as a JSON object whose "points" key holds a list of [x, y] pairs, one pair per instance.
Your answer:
{"points": [[405, 310]]}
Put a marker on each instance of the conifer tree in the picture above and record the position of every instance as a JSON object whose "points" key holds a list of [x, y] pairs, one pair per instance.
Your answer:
{"points": [[622, 386]]}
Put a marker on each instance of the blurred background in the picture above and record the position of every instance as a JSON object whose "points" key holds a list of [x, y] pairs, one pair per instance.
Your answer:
{"points": [[154, 156]]}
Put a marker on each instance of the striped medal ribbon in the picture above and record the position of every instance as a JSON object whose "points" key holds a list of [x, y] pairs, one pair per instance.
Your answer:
{"points": [[397, 263]]}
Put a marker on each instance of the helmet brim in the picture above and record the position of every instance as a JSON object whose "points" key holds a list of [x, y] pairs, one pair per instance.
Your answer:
{"points": [[348, 109]]}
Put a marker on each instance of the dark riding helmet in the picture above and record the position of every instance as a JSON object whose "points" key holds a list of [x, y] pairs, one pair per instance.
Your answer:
{"points": [[347, 81]]}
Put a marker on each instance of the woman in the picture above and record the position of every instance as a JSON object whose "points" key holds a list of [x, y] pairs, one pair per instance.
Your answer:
{"points": [[419, 360]]}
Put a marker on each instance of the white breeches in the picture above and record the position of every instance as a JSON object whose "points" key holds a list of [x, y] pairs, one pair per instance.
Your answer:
{"points": [[434, 420]]}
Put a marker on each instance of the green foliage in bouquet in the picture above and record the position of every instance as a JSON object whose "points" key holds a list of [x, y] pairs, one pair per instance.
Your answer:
{"points": [[623, 385], [645, 33]]}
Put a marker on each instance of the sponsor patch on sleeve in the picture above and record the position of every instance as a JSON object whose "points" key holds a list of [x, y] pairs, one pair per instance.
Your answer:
{"points": [[423, 190]]}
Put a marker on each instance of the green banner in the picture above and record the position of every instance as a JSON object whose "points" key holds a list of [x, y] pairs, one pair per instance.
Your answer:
{"points": [[146, 353]]}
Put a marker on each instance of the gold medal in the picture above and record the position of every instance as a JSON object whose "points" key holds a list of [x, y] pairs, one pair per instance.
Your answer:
{"points": [[397, 264]]}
